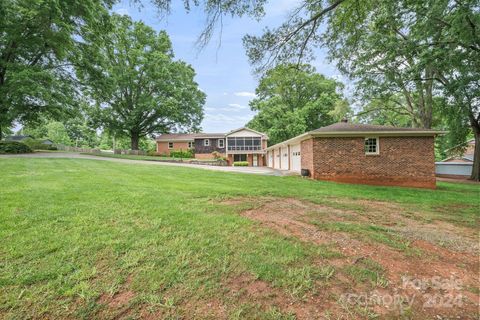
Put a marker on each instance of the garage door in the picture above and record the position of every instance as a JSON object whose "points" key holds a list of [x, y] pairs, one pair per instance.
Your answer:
{"points": [[270, 159], [295, 158], [276, 156], [285, 158]]}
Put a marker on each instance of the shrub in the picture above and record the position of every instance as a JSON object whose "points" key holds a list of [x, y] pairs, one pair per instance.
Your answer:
{"points": [[181, 154], [37, 144], [217, 155], [240, 164], [151, 153], [14, 147]]}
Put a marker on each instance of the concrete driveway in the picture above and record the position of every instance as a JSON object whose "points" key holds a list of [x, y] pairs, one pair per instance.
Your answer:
{"points": [[72, 155]]}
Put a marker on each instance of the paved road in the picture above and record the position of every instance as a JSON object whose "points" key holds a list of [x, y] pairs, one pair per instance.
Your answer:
{"points": [[72, 155]]}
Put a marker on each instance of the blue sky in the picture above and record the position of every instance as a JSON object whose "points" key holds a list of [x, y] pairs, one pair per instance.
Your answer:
{"points": [[223, 72]]}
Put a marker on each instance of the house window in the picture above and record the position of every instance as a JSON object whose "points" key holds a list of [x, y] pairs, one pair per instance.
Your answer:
{"points": [[190, 144], [206, 142], [221, 143], [371, 146], [170, 145], [244, 143], [239, 157]]}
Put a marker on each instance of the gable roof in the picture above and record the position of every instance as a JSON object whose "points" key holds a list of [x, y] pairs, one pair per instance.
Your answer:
{"points": [[18, 137], [358, 127], [345, 129], [248, 129], [188, 136], [192, 136]]}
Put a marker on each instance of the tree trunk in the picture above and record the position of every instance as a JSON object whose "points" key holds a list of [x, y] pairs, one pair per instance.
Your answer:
{"points": [[1, 133], [134, 138], [476, 154]]}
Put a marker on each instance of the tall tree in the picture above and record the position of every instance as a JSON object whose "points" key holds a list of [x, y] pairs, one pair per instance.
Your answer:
{"points": [[138, 88], [37, 41], [294, 99]]}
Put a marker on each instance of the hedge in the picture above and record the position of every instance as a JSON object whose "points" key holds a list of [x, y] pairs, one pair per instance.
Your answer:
{"points": [[14, 147], [181, 154], [240, 164]]}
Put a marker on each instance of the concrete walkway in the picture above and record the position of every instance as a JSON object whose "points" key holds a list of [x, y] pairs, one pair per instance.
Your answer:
{"points": [[72, 155]]}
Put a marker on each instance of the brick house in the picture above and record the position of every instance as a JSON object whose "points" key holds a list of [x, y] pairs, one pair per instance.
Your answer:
{"points": [[359, 153], [242, 144]]}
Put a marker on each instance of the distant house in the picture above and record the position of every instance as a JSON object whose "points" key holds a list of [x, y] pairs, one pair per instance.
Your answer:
{"points": [[465, 156], [459, 165], [47, 142], [243, 144], [19, 137], [360, 153]]}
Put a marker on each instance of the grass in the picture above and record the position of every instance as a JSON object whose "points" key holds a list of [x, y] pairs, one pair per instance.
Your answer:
{"points": [[369, 231], [133, 157], [74, 230], [367, 270], [146, 158]]}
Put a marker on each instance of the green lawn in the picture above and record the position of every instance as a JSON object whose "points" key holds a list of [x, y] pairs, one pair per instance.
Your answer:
{"points": [[146, 158], [131, 156], [77, 234]]}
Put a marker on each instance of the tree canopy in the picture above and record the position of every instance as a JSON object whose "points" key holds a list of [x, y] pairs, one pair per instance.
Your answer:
{"points": [[292, 100], [38, 39], [137, 86]]}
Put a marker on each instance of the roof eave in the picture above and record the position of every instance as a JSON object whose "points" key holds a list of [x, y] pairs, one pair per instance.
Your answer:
{"points": [[174, 140], [311, 134], [264, 136], [296, 139], [420, 133]]}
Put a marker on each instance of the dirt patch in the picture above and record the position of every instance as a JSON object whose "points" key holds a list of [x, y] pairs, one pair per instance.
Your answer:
{"points": [[431, 263], [246, 289], [118, 304], [119, 299], [289, 217]]}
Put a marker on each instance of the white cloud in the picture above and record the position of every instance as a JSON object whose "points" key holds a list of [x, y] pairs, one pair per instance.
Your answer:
{"points": [[122, 11], [245, 94], [237, 106], [222, 118], [281, 7], [225, 94]]}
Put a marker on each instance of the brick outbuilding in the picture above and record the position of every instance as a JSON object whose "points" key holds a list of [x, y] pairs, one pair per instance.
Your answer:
{"points": [[359, 153]]}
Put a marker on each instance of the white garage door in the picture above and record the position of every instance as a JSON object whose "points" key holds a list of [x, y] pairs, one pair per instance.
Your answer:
{"points": [[285, 158], [295, 158], [270, 159], [276, 157]]}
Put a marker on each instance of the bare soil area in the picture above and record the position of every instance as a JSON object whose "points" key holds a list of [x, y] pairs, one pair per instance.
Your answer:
{"points": [[431, 268]]}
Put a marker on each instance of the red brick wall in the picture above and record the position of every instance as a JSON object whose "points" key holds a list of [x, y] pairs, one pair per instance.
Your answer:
{"points": [[306, 152], [403, 161], [162, 147], [264, 144], [261, 160], [207, 155]]}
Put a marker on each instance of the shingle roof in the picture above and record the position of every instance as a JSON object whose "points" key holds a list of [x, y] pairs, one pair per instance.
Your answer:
{"points": [[345, 129], [209, 135], [18, 137], [357, 127], [188, 136]]}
